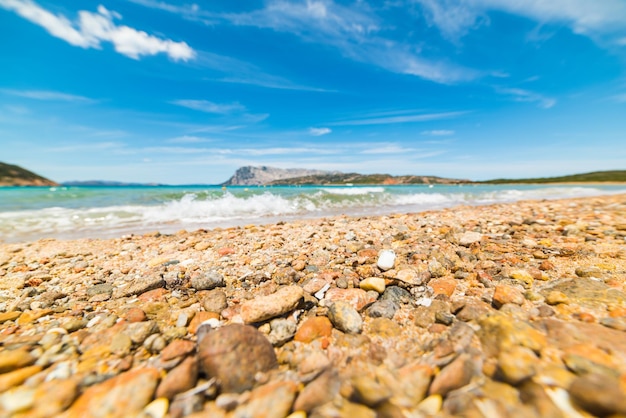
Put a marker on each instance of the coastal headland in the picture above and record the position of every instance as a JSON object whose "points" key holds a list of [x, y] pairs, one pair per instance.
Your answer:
{"points": [[502, 310]]}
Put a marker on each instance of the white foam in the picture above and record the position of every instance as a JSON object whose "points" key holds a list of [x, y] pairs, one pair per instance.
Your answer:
{"points": [[207, 209], [353, 191]]}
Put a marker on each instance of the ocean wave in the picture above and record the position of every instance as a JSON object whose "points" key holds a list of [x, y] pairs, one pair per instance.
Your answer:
{"points": [[170, 211], [353, 191]]}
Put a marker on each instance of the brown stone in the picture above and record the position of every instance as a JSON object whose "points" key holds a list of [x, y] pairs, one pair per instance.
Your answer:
{"points": [[234, 354], [17, 377], [15, 359], [318, 392], [507, 294], [312, 328], [9, 316], [213, 300], [262, 308], [154, 295], [599, 394], [183, 377], [177, 348], [140, 285], [199, 318], [443, 286], [455, 375], [122, 396], [358, 298], [272, 400], [135, 315]]}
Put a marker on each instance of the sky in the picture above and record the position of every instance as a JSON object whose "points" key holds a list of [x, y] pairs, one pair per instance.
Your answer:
{"points": [[185, 93]]}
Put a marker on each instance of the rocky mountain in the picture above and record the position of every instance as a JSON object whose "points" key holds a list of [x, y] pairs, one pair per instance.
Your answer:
{"points": [[355, 178], [249, 175], [13, 175]]}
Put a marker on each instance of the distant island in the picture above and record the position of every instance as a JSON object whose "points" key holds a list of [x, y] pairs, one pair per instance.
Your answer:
{"points": [[13, 175], [614, 176], [106, 183]]}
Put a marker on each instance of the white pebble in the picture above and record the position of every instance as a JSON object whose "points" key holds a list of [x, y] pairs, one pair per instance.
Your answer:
{"points": [[182, 320], [424, 302], [320, 293], [386, 260], [156, 409]]}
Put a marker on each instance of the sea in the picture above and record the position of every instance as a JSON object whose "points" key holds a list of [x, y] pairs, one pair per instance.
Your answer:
{"points": [[31, 213]]}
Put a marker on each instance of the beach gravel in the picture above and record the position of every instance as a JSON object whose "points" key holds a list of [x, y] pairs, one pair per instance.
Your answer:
{"points": [[502, 310]]}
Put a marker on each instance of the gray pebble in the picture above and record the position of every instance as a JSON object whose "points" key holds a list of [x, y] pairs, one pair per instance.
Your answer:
{"points": [[345, 318], [207, 281], [382, 309]]}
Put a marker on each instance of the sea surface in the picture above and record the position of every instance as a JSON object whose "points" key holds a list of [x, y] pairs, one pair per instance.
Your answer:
{"points": [[102, 212]]}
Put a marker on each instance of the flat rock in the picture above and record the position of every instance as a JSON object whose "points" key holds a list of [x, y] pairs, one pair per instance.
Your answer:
{"points": [[599, 394], [279, 303], [318, 392], [234, 354], [588, 292], [504, 294], [272, 400], [15, 359], [469, 237], [121, 396], [139, 285], [358, 298], [177, 348], [455, 375], [207, 281], [181, 378]]}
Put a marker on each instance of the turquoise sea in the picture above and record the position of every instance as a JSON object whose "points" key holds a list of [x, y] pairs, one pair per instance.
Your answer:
{"points": [[101, 212]]}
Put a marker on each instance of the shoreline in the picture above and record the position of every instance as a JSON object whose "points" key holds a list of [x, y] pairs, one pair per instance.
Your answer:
{"points": [[509, 306]]}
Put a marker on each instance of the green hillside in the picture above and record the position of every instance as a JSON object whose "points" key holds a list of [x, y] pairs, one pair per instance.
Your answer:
{"points": [[13, 175], [593, 177]]}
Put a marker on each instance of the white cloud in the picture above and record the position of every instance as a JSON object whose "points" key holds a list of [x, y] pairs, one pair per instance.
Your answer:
{"points": [[400, 119], [92, 29], [48, 95], [438, 132], [455, 18], [520, 95], [188, 139], [355, 31], [387, 149], [210, 107], [319, 131]]}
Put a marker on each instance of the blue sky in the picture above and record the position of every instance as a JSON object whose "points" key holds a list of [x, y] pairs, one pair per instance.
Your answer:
{"points": [[172, 92]]}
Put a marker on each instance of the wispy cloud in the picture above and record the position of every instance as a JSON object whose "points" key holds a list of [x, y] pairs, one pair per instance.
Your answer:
{"points": [[91, 29], [520, 95], [422, 117], [319, 131], [241, 72], [188, 139], [387, 149], [455, 18], [438, 132], [48, 95], [210, 107], [355, 30], [88, 146]]}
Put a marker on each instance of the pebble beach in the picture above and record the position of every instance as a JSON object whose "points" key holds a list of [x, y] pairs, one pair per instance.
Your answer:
{"points": [[506, 310]]}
